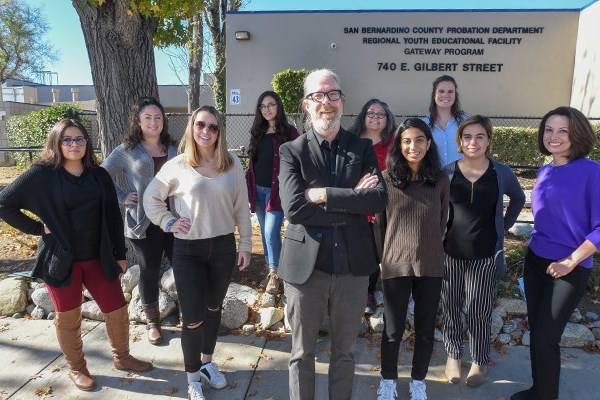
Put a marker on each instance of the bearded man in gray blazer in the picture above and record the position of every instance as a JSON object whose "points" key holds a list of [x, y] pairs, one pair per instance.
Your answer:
{"points": [[329, 181]]}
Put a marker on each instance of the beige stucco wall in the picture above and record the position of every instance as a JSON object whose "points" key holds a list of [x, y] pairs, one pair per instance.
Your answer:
{"points": [[535, 75], [586, 77]]}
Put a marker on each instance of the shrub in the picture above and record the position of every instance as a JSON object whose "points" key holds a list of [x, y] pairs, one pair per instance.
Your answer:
{"points": [[518, 146], [288, 85], [31, 130]]}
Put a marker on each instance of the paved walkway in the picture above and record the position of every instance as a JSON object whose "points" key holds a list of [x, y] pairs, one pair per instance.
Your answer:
{"points": [[256, 368]]}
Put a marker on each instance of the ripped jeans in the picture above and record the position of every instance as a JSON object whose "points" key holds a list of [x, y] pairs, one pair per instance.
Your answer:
{"points": [[202, 270]]}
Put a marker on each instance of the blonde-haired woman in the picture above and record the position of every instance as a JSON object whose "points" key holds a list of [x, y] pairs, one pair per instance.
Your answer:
{"points": [[209, 191]]}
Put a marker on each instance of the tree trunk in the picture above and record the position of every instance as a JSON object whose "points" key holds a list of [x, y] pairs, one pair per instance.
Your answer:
{"points": [[121, 56], [195, 51]]}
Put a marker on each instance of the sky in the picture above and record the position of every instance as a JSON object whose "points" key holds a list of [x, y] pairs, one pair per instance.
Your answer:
{"points": [[73, 66]]}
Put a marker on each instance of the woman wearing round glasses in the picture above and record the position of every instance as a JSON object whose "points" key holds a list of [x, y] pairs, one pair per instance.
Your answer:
{"points": [[445, 115], [270, 130], [210, 199], [375, 121], [81, 243], [146, 147]]}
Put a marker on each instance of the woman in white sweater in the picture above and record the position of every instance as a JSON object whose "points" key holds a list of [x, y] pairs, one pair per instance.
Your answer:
{"points": [[210, 199]]}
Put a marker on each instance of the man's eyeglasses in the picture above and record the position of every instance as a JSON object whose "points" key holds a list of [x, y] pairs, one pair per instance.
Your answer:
{"points": [[212, 128], [376, 115], [269, 106], [332, 95], [67, 141]]}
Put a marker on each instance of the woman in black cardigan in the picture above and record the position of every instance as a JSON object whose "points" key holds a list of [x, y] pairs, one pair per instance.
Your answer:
{"points": [[81, 242]]}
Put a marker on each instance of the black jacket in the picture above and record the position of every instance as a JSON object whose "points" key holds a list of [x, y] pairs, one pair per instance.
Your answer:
{"points": [[39, 190], [303, 167]]}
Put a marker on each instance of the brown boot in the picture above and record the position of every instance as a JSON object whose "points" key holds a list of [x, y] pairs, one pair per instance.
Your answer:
{"points": [[453, 370], [273, 283], [477, 375], [117, 328], [153, 330], [68, 333]]}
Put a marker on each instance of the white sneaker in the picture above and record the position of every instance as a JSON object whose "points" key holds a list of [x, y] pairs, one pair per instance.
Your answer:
{"points": [[418, 390], [195, 391], [210, 373], [387, 390]]}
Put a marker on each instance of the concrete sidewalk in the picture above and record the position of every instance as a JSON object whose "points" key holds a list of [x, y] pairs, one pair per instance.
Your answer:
{"points": [[256, 368]]}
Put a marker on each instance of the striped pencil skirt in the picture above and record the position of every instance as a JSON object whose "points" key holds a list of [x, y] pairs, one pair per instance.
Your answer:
{"points": [[468, 284]]}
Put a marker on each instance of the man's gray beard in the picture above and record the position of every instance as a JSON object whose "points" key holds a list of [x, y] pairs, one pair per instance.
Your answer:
{"points": [[324, 125]]}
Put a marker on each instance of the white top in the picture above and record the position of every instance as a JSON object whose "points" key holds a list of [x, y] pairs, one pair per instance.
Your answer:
{"points": [[214, 206]]}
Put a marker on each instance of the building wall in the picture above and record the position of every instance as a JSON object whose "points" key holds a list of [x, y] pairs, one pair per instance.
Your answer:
{"points": [[586, 79], [527, 73]]}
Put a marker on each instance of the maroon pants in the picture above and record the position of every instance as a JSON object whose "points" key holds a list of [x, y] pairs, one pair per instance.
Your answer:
{"points": [[108, 294]]}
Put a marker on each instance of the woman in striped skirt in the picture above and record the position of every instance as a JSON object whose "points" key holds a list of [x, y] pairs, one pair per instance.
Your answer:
{"points": [[474, 245]]}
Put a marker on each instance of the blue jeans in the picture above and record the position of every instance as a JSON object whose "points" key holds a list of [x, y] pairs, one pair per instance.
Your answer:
{"points": [[270, 227]]}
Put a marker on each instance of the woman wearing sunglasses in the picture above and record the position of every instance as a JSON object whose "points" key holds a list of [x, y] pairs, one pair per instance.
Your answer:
{"points": [[81, 243], [210, 199], [146, 147], [376, 122], [269, 131]]}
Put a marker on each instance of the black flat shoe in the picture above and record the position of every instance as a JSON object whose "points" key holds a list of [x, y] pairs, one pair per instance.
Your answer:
{"points": [[528, 394]]}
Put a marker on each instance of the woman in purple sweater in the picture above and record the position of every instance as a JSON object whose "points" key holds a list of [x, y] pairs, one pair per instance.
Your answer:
{"points": [[566, 210]]}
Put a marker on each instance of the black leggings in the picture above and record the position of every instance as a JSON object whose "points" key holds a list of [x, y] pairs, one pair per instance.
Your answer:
{"points": [[150, 250], [396, 293], [202, 270], [550, 303]]}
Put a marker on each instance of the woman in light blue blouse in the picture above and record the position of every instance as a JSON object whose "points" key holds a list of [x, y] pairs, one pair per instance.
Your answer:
{"points": [[445, 115]]}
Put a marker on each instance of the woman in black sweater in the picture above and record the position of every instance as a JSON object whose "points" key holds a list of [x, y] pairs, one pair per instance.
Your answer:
{"points": [[81, 242]]}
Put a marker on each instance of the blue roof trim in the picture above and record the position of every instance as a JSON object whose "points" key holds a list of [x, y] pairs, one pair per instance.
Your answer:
{"points": [[405, 11], [588, 4]]}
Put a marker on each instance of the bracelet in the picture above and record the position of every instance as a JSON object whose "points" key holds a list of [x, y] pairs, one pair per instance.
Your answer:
{"points": [[170, 225]]}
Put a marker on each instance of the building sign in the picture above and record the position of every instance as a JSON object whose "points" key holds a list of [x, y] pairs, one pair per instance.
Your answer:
{"points": [[235, 97], [432, 43]]}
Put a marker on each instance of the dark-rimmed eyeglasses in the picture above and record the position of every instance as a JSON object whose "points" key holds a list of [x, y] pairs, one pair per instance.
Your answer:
{"points": [[212, 128], [332, 95], [67, 141], [269, 106], [376, 115]]}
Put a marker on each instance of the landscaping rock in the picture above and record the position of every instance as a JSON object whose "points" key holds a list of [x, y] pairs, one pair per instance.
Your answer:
{"points": [[41, 298], [591, 316], [576, 335], [171, 320], [510, 325], [521, 230], [267, 300], [503, 338], [277, 326], [270, 315], [13, 296], [438, 336], [37, 313], [526, 338], [166, 306], [167, 283], [376, 320], [51, 315], [29, 309], [576, 317], [18, 315], [130, 278], [596, 332], [379, 297], [595, 324], [235, 312], [243, 293], [496, 326], [247, 328], [90, 310], [513, 306], [87, 294], [364, 327]]}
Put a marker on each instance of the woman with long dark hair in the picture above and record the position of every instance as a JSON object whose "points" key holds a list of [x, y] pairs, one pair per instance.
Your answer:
{"points": [[445, 115], [270, 130], [474, 245], [566, 210], [147, 146], [209, 195], [409, 237], [376, 122], [81, 243]]}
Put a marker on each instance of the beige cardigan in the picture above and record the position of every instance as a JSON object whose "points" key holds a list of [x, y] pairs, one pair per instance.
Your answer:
{"points": [[215, 206]]}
